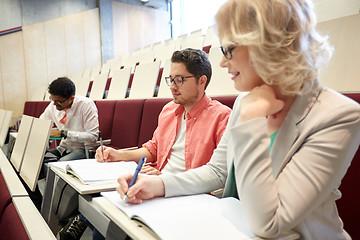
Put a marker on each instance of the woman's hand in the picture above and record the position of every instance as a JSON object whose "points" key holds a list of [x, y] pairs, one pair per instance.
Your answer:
{"points": [[145, 187], [260, 102]]}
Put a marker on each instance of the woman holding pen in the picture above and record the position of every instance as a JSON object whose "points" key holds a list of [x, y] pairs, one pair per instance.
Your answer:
{"points": [[289, 141]]}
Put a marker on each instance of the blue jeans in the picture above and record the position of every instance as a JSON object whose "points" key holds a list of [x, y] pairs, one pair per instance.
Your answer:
{"points": [[96, 234]]}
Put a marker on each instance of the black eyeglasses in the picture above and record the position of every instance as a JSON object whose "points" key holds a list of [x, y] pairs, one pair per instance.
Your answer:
{"points": [[227, 51], [57, 102], [178, 80]]}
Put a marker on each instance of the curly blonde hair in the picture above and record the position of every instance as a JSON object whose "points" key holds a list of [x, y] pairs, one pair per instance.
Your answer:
{"points": [[284, 46]]}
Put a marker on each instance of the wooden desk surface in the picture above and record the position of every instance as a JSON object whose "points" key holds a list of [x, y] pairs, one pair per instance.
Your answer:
{"points": [[33, 222], [84, 188], [138, 231], [11, 178], [133, 228]]}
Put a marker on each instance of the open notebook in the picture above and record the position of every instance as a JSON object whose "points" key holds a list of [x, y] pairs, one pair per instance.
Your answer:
{"points": [[90, 171], [200, 216]]}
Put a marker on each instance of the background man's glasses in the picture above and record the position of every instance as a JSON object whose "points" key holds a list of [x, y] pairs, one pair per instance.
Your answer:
{"points": [[57, 102], [178, 80]]}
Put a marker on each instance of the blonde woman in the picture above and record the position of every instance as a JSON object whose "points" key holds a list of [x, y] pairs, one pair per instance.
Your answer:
{"points": [[290, 140]]}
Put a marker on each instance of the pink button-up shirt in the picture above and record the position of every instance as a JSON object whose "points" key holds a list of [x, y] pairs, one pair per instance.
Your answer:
{"points": [[205, 125]]}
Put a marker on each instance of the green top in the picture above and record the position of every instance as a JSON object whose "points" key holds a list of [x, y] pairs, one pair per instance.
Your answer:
{"points": [[272, 138], [231, 191]]}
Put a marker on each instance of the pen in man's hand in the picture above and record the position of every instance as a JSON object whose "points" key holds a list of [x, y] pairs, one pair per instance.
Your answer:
{"points": [[101, 144], [137, 170]]}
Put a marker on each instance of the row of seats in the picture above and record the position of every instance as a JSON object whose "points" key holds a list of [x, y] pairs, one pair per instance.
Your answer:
{"points": [[131, 122], [148, 80], [141, 75]]}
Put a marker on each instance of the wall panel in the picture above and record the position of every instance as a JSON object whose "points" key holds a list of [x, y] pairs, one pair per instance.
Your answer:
{"points": [[13, 72], [120, 23], [343, 71], [55, 48], [74, 42], [35, 61], [91, 26], [136, 27]]}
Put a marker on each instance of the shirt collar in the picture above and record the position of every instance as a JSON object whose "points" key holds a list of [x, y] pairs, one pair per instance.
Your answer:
{"points": [[196, 110]]}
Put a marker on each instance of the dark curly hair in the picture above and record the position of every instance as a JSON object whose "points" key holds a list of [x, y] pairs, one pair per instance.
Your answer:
{"points": [[63, 87], [195, 61]]}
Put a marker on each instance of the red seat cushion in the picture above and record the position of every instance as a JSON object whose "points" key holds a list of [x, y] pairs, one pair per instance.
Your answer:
{"points": [[5, 197], [348, 204], [149, 121], [126, 123], [106, 115], [11, 226]]}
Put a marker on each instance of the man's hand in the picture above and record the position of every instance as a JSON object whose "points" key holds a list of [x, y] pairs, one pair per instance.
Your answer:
{"points": [[109, 155], [149, 170], [55, 133], [146, 187]]}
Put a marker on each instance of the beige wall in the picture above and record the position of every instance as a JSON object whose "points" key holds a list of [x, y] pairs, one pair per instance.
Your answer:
{"points": [[343, 71], [32, 58], [136, 27]]}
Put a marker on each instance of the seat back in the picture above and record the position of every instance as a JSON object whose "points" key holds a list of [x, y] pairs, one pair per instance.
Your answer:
{"points": [[11, 226], [348, 204], [144, 82], [21, 142], [5, 197], [106, 115], [98, 87], [35, 150], [149, 121], [126, 123], [164, 89], [119, 83], [220, 83], [5, 127]]}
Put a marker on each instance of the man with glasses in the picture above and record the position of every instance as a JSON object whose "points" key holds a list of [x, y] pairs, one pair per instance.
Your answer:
{"points": [[75, 117], [189, 127]]}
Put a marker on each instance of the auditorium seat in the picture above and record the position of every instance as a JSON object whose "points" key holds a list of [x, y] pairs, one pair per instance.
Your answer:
{"points": [[126, 123], [5, 197], [11, 227], [220, 83], [149, 120], [119, 83], [164, 90], [144, 82], [348, 205], [98, 87]]}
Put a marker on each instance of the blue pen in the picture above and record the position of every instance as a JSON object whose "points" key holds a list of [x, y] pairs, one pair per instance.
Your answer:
{"points": [[137, 170]]}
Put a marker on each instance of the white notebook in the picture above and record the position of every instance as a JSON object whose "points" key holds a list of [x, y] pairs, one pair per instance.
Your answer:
{"points": [[200, 216], [90, 171]]}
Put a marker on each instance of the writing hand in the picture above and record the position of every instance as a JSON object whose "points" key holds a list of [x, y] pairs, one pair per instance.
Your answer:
{"points": [[105, 155], [145, 187]]}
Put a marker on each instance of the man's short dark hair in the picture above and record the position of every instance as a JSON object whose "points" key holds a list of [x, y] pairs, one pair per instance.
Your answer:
{"points": [[195, 61], [63, 87]]}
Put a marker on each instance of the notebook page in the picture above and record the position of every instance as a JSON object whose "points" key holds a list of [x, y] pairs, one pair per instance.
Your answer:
{"points": [[189, 217]]}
